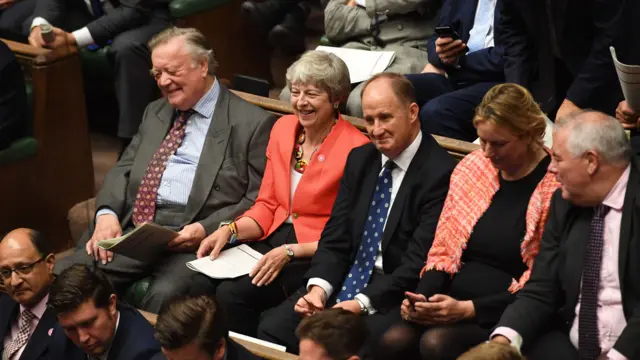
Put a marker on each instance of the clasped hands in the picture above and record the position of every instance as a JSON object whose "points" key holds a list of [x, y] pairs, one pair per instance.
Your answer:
{"points": [[438, 310], [62, 39], [108, 227]]}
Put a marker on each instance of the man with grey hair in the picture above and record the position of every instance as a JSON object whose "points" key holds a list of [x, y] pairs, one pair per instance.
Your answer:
{"points": [[582, 299], [197, 160]]}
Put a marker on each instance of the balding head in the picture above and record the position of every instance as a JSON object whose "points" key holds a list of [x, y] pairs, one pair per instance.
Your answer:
{"points": [[590, 152], [26, 266]]}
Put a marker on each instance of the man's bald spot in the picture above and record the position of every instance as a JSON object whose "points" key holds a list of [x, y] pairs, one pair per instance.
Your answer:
{"points": [[21, 237], [400, 87]]}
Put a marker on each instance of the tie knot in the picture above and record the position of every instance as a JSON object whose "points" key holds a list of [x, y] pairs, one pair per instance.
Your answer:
{"points": [[184, 115], [27, 316], [601, 211], [389, 165]]}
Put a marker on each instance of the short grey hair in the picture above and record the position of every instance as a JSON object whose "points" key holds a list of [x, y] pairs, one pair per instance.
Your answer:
{"points": [[593, 130], [195, 42], [324, 70]]}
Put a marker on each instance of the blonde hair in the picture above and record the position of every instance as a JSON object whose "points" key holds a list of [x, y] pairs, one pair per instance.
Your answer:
{"points": [[492, 351], [513, 107]]}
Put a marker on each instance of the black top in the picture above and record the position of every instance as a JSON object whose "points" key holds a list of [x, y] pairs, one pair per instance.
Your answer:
{"points": [[492, 257]]}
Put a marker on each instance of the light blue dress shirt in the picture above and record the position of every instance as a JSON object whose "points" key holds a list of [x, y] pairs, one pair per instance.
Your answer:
{"points": [[177, 179]]}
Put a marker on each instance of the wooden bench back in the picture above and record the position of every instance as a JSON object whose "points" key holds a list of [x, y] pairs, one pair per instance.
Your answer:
{"points": [[455, 147]]}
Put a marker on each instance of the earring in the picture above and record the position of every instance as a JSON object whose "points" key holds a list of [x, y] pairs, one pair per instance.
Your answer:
{"points": [[335, 106]]}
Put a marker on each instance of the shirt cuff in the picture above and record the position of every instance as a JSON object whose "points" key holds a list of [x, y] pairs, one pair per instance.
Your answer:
{"points": [[106, 212], [324, 285], [37, 22], [512, 335], [367, 303], [613, 354], [362, 3], [83, 37]]}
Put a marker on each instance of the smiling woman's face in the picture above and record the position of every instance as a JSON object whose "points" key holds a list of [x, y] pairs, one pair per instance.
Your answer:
{"points": [[312, 105]]}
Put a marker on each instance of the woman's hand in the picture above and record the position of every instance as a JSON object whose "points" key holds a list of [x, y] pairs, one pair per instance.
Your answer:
{"points": [[213, 243], [439, 310], [269, 266]]}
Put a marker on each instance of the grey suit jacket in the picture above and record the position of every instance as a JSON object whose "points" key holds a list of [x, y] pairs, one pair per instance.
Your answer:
{"points": [[229, 171], [129, 14]]}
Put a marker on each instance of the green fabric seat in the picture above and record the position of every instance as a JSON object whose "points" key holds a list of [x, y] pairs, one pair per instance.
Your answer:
{"points": [[20, 149], [136, 292], [184, 8], [324, 41]]}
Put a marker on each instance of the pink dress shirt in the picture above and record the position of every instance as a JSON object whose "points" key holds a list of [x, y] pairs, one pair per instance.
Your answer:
{"points": [[611, 320], [38, 311]]}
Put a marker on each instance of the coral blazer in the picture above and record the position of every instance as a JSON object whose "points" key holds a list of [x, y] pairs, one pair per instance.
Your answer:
{"points": [[318, 187]]}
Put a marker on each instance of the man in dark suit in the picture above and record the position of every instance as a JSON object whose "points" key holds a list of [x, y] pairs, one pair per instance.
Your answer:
{"points": [[13, 98], [383, 220], [196, 328], [91, 323], [460, 71], [127, 25], [197, 160], [26, 270], [581, 301], [560, 50]]}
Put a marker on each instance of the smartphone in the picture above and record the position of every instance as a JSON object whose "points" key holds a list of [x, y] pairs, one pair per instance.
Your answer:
{"points": [[447, 31]]}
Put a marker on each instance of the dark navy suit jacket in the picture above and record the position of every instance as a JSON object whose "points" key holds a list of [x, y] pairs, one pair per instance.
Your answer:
{"points": [[134, 340], [486, 65], [37, 346]]}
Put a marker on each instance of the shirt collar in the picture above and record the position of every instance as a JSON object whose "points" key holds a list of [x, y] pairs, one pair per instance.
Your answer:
{"points": [[615, 197], [39, 309], [205, 105], [406, 156]]}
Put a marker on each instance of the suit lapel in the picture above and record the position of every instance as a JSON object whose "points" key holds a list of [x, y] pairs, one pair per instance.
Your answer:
{"points": [[401, 197], [40, 338], [368, 185], [211, 157], [629, 209]]}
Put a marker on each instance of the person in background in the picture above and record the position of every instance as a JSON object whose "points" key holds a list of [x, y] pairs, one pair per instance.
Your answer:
{"points": [[306, 156], [492, 351], [26, 270], [93, 324], [126, 26], [475, 268], [197, 160], [332, 334], [196, 328], [582, 298], [13, 99], [382, 223]]}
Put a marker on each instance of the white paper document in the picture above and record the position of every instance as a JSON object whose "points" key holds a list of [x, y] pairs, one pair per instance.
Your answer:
{"points": [[236, 336], [629, 76], [145, 243], [362, 64], [232, 263]]}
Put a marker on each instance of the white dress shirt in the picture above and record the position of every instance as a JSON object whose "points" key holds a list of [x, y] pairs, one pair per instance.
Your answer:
{"points": [[488, 37], [38, 311], [83, 36], [402, 162], [611, 319]]}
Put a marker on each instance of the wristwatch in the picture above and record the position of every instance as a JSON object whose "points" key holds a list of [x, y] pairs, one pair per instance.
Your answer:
{"points": [[290, 253], [363, 308]]}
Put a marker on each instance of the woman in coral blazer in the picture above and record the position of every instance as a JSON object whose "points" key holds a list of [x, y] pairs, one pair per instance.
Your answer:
{"points": [[306, 156]]}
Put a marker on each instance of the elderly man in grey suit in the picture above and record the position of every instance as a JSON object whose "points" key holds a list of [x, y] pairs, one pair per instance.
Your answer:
{"points": [[197, 160], [402, 26]]}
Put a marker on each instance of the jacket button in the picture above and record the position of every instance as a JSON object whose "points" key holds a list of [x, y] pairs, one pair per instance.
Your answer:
{"points": [[295, 215], [216, 187]]}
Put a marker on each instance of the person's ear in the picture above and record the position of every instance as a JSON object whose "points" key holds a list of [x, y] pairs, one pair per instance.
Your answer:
{"points": [[593, 162], [221, 350], [113, 300], [50, 262], [414, 110], [354, 357]]}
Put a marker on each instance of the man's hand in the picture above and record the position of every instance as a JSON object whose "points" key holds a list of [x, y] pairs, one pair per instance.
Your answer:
{"points": [[566, 108], [351, 3], [431, 69], [35, 38], [349, 305], [212, 245], [311, 303], [107, 227], [189, 239], [269, 266], [62, 39], [449, 50], [500, 340], [5, 4], [626, 116]]}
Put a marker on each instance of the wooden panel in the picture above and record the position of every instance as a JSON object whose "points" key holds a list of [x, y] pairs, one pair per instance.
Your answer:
{"points": [[456, 148], [43, 189]]}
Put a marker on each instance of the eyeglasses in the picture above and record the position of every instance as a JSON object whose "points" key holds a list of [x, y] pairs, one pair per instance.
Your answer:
{"points": [[20, 270]]}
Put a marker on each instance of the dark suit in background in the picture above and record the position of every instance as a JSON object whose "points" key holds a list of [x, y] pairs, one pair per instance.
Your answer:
{"points": [[13, 98], [12, 18], [545, 307], [226, 183], [406, 239], [448, 104], [129, 25], [38, 346], [560, 49], [134, 340]]}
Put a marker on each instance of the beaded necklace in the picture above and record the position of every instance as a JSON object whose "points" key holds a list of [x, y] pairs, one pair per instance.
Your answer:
{"points": [[301, 164]]}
